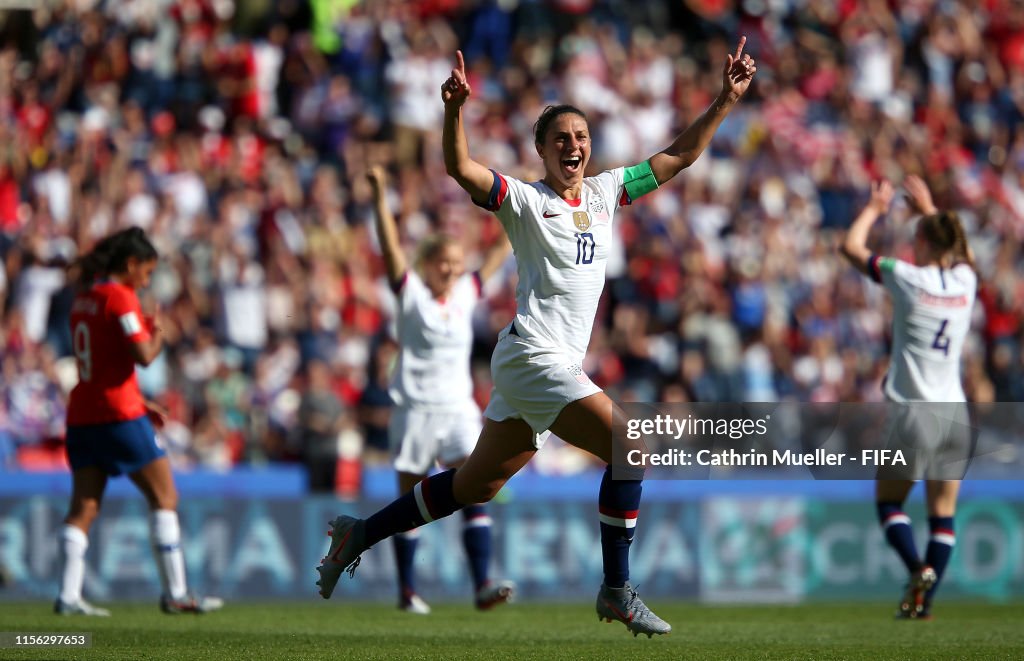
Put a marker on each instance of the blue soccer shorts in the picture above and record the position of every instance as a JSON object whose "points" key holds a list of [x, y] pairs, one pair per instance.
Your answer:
{"points": [[116, 448]]}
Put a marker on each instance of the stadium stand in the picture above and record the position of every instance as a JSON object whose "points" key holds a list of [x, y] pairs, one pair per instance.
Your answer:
{"points": [[236, 134]]}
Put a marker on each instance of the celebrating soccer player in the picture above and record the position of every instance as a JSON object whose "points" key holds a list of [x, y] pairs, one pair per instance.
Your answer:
{"points": [[435, 418], [109, 423], [560, 229], [932, 304]]}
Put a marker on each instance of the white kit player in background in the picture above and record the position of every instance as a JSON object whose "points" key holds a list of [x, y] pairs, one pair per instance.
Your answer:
{"points": [[932, 306], [435, 419], [560, 230]]}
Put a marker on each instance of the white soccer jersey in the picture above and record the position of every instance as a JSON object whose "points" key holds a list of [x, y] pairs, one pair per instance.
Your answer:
{"points": [[931, 318], [561, 250], [436, 339]]}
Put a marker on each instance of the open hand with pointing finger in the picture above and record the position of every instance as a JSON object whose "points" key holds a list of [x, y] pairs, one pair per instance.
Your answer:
{"points": [[738, 72], [456, 89]]}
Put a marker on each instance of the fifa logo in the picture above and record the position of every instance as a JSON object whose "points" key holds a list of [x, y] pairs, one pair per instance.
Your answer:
{"points": [[581, 219]]}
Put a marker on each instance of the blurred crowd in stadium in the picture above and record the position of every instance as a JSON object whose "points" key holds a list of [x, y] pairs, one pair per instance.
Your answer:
{"points": [[237, 134]]}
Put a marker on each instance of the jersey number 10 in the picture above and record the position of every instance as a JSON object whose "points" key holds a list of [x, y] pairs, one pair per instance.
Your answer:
{"points": [[585, 248]]}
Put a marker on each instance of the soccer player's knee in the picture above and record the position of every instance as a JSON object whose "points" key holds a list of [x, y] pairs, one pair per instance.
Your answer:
{"points": [[166, 502], [478, 494], [84, 512], [489, 491]]}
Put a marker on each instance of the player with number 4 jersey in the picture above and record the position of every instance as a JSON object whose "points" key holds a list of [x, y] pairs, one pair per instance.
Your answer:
{"points": [[931, 308], [560, 231], [110, 429], [932, 305]]}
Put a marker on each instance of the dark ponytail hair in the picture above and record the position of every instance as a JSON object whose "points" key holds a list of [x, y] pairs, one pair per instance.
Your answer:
{"points": [[945, 232], [112, 253], [540, 127]]}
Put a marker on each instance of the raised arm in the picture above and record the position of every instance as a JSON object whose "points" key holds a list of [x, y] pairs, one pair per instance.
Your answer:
{"points": [[474, 178], [687, 147], [387, 230], [919, 196], [495, 257], [855, 245]]}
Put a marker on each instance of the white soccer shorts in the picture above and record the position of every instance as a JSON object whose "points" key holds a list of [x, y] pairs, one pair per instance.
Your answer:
{"points": [[419, 437], [534, 384], [936, 440]]}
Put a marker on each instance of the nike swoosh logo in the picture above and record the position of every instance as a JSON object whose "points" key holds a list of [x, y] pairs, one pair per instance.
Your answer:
{"points": [[615, 610], [551, 215], [337, 551]]}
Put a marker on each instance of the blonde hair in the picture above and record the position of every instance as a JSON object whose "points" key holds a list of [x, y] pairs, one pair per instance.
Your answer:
{"points": [[430, 247], [945, 232]]}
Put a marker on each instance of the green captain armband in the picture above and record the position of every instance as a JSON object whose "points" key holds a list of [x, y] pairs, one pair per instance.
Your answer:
{"points": [[877, 264], [639, 180]]}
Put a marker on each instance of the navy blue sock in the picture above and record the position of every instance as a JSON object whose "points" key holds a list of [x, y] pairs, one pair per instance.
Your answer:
{"points": [[476, 538], [940, 547], [429, 500], [896, 526], [405, 552], [618, 505]]}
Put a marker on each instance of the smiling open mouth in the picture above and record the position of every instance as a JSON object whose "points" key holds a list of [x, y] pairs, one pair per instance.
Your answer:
{"points": [[572, 164]]}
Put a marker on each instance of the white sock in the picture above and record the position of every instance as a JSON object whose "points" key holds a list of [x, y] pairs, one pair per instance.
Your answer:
{"points": [[165, 535], [73, 545]]}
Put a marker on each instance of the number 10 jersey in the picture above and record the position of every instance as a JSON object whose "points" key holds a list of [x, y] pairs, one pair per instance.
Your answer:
{"points": [[561, 248]]}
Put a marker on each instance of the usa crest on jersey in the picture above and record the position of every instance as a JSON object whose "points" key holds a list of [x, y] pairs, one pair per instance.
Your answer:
{"points": [[598, 209], [577, 373]]}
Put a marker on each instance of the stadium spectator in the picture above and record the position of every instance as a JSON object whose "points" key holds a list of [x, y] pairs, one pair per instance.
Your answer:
{"points": [[320, 418]]}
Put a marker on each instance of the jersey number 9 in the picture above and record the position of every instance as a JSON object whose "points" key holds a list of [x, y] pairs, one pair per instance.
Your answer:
{"points": [[83, 354]]}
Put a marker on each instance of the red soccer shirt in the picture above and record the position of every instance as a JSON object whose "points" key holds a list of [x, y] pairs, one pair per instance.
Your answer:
{"points": [[105, 321]]}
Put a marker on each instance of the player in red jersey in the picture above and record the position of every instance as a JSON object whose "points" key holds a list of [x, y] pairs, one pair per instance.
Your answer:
{"points": [[110, 431]]}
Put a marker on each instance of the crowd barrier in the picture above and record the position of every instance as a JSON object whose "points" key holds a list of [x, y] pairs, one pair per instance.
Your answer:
{"points": [[257, 535]]}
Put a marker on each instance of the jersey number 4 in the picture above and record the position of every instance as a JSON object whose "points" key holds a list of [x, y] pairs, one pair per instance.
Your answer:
{"points": [[585, 248], [941, 341], [83, 354]]}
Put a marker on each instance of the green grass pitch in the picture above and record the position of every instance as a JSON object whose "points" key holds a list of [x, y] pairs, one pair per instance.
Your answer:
{"points": [[524, 631]]}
